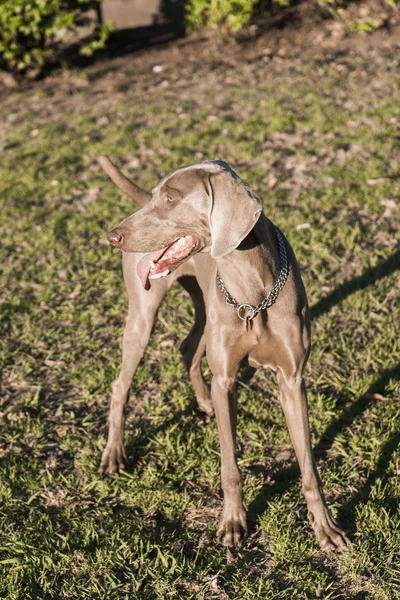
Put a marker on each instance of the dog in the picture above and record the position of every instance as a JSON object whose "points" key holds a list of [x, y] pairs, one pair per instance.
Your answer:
{"points": [[204, 226]]}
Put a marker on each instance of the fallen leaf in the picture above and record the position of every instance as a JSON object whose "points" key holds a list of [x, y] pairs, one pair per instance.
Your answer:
{"points": [[53, 363], [272, 182], [167, 344], [378, 180], [377, 396], [390, 206], [74, 294]]}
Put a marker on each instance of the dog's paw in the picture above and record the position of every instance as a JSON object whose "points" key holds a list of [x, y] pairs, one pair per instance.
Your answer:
{"points": [[233, 527], [113, 459], [206, 405], [203, 397], [328, 533]]}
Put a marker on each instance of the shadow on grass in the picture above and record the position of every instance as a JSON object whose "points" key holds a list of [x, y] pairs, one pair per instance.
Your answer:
{"points": [[349, 415], [136, 444], [347, 511], [369, 277], [286, 476], [354, 411], [150, 537]]}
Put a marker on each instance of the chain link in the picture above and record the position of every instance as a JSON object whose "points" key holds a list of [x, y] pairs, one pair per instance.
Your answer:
{"points": [[253, 311]]}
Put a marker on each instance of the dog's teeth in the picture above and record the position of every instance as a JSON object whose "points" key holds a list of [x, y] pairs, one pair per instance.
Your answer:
{"points": [[159, 275], [152, 264]]}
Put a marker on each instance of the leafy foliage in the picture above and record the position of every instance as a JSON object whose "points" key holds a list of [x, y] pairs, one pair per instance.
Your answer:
{"points": [[234, 14], [30, 29]]}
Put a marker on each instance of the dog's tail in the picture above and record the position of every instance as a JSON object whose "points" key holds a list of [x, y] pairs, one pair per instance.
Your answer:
{"points": [[126, 186]]}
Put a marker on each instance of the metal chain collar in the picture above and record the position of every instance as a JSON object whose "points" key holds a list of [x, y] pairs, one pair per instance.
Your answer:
{"points": [[247, 312]]}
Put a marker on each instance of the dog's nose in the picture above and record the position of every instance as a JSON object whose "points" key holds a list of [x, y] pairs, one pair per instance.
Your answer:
{"points": [[115, 238]]}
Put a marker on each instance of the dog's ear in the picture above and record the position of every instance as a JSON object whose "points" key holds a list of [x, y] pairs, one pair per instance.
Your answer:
{"points": [[234, 211]]}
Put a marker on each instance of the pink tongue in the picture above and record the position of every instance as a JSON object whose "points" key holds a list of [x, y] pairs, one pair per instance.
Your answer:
{"points": [[143, 267]]}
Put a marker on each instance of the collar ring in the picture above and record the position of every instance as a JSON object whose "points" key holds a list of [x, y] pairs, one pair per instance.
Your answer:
{"points": [[242, 309]]}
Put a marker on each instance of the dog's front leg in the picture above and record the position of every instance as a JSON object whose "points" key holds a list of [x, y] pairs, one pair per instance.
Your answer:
{"points": [[143, 306], [223, 393], [136, 335], [294, 403]]}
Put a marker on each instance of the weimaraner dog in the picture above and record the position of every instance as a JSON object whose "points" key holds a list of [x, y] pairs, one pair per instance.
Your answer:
{"points": [[204, 221]]}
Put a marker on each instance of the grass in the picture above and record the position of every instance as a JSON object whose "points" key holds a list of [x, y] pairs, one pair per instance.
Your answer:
{"points": [[150, 533]]}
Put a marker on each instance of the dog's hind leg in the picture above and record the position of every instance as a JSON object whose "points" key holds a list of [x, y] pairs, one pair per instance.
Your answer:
{"points": [[194, 346], [143, 307]]}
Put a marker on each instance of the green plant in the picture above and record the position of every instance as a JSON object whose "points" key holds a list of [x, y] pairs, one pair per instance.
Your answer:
{"points": [[231, 13], [31, 29]]}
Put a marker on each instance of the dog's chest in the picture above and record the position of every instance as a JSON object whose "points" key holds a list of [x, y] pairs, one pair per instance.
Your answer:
{"points": [[265, 351], [263, 355]]}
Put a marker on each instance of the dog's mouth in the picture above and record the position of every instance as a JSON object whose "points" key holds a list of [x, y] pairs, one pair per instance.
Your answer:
{"points": [[158, 264]]}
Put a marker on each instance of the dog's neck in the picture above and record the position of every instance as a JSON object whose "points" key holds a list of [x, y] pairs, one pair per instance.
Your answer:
{"points": [[249, 271]]}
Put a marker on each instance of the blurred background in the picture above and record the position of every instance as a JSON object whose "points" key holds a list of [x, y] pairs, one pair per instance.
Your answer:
{"points": [[34, 34]]}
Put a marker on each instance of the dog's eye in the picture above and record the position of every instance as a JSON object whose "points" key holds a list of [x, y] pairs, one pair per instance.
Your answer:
{"points": [[172, 195]]}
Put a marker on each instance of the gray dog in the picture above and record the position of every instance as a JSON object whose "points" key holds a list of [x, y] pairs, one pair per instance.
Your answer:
{"points": [[205, 225]]}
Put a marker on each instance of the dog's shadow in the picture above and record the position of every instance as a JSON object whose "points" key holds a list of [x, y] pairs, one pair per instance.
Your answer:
{"points": [[145, 430], [369, 277], [287, 475]]}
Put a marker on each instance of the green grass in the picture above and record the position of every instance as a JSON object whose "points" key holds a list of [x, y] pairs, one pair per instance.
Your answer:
{"points": [[150, 533]]}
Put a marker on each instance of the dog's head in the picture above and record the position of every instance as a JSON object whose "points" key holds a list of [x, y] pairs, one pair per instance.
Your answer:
{"points": [[204, 207]]}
